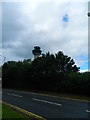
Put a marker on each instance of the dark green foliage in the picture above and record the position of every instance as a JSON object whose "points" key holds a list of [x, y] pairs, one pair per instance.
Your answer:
{"points": [[49, 73]]}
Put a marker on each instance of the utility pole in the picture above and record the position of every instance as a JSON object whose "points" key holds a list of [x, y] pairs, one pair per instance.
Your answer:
{"points": [[88, 14]]}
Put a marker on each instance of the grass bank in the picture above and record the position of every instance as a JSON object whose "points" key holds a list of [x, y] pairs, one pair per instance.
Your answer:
{"points": [[9, 113]]}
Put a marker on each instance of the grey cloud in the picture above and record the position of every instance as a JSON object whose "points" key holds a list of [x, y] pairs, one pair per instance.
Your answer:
{"points": [[11, 25], [42, 26]]}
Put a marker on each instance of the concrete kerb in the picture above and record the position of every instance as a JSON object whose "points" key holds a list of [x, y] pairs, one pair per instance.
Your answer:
{"points": [[29, 114]]}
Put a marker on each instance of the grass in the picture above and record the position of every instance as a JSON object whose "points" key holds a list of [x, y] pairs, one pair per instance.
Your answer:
{"points": [[0, 111], [9, 113]]}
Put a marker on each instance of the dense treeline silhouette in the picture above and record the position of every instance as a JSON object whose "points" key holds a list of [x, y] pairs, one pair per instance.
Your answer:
{"points": [[48, 73]]}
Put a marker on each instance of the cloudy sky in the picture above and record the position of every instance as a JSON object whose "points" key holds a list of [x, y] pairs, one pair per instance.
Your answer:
{"points": [[52, 24]]}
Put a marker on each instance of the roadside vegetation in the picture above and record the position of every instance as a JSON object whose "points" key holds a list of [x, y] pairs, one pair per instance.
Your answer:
{"points": [[50, 73], [9, 113], [0, 110]]}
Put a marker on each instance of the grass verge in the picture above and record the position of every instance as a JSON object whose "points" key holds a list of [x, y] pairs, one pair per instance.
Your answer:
{"points": [[0, 111], [9, 113]]}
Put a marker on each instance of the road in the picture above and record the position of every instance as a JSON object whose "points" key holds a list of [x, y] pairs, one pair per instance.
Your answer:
{"points": [[46, 106]]}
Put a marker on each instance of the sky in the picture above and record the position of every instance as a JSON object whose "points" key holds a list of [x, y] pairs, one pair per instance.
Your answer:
{"points": [[53, 25]]}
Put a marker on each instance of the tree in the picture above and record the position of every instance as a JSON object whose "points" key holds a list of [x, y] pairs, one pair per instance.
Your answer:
{"points": [[50, 72], [65, 64]]}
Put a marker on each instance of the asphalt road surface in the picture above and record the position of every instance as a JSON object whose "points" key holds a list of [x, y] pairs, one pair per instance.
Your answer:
{"points": [[46, 106]]}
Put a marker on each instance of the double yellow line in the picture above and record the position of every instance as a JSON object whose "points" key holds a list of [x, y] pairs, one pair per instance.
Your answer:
{"points": [[30, 114]]}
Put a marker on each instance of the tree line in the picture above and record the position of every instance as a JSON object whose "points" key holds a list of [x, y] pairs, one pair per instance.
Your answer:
{"points": [[50, 72]]}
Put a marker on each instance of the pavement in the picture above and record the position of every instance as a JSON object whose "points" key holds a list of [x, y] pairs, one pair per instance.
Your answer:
{"points": [[45, 106]]}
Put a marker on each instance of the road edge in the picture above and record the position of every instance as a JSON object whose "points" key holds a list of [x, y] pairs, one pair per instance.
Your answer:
{"points": [[30, 114], [54, 96]]}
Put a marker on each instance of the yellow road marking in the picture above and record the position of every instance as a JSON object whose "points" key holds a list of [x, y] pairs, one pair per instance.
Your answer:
{"points": [[25, 111], [54, 96], [58, 97]]}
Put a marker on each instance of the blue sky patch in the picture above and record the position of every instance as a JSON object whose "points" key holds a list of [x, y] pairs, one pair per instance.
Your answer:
{"points": [[65, 18], [84, 66]]}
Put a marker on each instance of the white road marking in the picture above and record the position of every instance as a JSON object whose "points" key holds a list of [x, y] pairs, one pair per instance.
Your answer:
{"points": [[56, 96], [87, 111], [52, 96], [47, 102], [14, 95]]}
